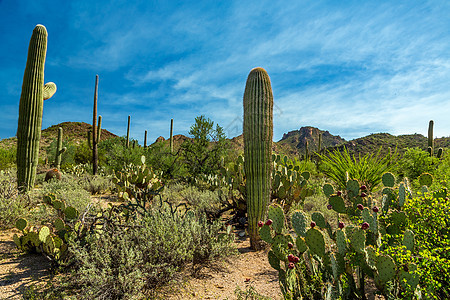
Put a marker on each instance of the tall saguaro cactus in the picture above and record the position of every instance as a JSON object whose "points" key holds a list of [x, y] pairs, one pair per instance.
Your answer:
{"points": [[128, 132], [430, 138], [258, 134], [171, 135], [31, 108], [94, 131], [59, 149]]}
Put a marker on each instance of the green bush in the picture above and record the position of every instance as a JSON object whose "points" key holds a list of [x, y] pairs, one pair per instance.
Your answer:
{"points": [[131, 260], [67, 189], [7, 158], [12, 205], [414, 162], [429, 219]]}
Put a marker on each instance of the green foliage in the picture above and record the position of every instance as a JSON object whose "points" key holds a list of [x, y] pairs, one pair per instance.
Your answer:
{"points": [[414, 162], [130, 260], [368, 169], [7, 158], [429, 218], [67, 189], [250, 293], [161, 159], [200, 159]]}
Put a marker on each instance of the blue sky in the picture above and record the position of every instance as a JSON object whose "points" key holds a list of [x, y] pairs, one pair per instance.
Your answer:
{"points": [[353, 69]]}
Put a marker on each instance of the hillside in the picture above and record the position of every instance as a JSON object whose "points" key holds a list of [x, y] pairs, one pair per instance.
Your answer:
{"points": [[292, 143]]}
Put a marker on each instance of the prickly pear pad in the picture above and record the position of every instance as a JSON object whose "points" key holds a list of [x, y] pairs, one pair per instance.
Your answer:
{"points": [[408, 239], [341, 242], [371, 257], [426, 179], [299, 223], [388, 179], [353, 187], [301, 244], [273, 260], [315, 241], [401, 194], [280, 247], [319, 219], [21, 224], [385, 267], [328, 190], [276, 214], [265, 234], [337, 203], [358, 240]]}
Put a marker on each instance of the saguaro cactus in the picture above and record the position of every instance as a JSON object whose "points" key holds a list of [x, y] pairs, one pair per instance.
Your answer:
{"points": [[31, 108], [145, 139], [430, 138], [94, 131], [258, 133], [59, 149], [128, 132], [171, 135]]}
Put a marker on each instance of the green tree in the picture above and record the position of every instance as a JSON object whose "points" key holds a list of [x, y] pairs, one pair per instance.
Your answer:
{"points": [[204, 152]]}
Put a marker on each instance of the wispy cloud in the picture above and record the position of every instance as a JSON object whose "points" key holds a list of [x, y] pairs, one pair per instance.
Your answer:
{"points": [[353, 69]]}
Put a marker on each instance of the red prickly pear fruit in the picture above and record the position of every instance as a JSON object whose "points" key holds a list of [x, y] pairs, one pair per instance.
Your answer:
{"points": [[269, 222], [291, 257], [329, 206], [291, 265], [341, 225], [375, 209], [360, 206], [339, 193], [363, 195], [365, 225], [313, 224], [296, 259], [290, 245], [260, 224], [363, 188]]}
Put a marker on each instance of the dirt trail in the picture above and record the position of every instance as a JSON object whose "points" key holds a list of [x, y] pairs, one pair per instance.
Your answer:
{"points": [[19, 271]]}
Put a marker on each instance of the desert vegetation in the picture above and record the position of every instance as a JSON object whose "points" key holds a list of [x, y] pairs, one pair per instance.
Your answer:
{"points": [[118, 220]]}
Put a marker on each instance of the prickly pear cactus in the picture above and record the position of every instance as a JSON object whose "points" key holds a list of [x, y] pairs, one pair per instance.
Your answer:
{"points": [[426, 179]]}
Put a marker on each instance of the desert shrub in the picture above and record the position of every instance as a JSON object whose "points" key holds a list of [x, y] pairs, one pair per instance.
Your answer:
{"points": [[124, 262], [96, 184], [7, 158], [429, 219], [12, 204], [83, 154], [416, 161], [367, 169], [442, 173], [115, 155], [159, 157], [250, 293], [67, 189]]}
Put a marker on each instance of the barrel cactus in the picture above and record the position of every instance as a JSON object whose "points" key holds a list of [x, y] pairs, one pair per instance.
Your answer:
{"points": [[31, 108], [258, 133]]}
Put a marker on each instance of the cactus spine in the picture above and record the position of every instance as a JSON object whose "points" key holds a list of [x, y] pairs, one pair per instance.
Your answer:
{"points": [[128, 131], [171, 135], [94, 131], [430, 138], [258, 133], [31, 108]]}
